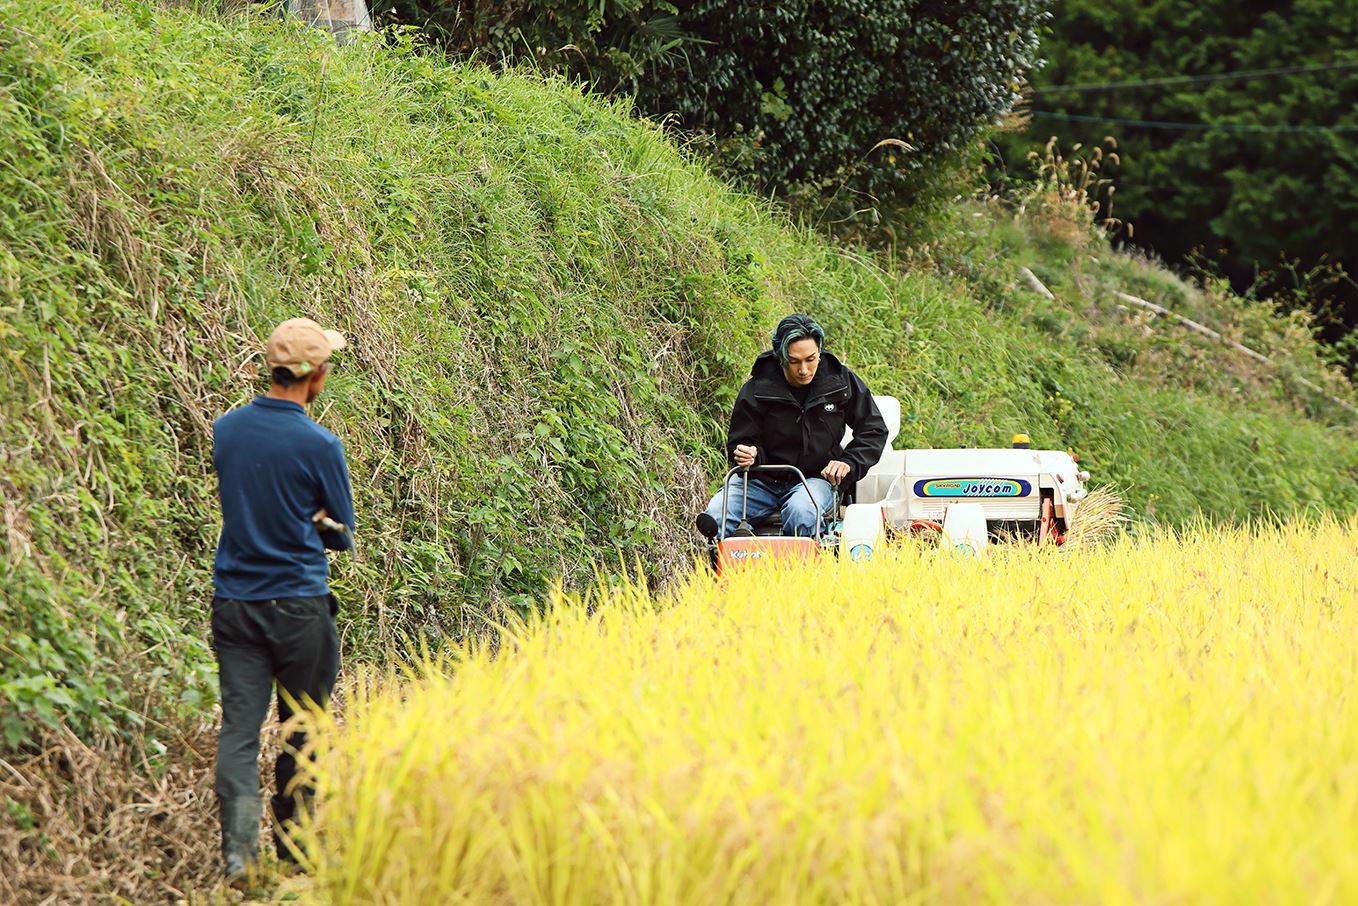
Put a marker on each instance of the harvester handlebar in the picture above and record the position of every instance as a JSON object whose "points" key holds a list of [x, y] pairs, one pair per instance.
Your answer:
{"points": [[744, 529]]}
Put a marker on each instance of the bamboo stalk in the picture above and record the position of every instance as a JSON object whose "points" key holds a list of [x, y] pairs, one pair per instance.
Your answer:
{"points": [[1036, 283]]}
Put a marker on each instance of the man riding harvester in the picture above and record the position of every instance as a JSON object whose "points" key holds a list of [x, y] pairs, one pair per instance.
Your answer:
{"points": [[787, 445], [812, 469]]}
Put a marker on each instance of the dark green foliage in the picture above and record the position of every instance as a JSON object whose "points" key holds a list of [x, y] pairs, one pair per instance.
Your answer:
{"points": [[1247, 201], [799, 94]]}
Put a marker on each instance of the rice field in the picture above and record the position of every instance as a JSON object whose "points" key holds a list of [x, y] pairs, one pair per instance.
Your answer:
{"points": [[1166, 719]]}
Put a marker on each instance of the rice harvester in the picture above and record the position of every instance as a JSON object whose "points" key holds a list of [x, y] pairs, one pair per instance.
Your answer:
{"points": [[965, 496]]}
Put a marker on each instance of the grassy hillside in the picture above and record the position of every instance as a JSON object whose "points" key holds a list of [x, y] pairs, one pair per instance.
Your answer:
{"points": [[551, 308]]}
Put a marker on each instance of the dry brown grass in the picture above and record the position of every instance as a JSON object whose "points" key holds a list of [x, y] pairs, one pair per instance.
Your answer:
{"points": [[103, 824], [1099, 518], [112, 823]]}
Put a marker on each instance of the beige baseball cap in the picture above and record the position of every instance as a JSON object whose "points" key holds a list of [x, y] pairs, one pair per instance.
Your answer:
{"points": [[301, 346]]}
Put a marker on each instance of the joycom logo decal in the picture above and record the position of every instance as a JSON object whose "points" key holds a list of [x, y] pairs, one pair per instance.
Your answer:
{"points": [[973, 487]]}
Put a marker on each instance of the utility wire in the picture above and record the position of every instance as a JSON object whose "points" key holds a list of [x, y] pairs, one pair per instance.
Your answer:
{"points": [[1193, 127], [1194, 79]]}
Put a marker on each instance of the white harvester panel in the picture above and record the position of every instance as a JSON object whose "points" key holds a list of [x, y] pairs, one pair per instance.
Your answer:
{"points": [[1008, 484], [1004, 482]]}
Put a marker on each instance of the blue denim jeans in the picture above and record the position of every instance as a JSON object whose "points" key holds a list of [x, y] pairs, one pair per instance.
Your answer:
{"points": [[798, 510]]}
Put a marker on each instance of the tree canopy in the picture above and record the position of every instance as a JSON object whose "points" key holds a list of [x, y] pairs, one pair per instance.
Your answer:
{"points": [[799, 95], [1257, 172]]}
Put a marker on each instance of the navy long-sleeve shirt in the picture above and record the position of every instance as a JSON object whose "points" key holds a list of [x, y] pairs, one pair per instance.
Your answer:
{"points": [[275, 468]]}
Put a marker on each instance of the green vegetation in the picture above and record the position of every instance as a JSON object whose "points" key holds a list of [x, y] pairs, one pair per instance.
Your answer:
{"points": [[550, 307], [798, 96]]}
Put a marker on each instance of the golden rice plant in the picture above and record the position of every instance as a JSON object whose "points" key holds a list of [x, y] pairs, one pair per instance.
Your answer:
{"points": [[1165, 718]]}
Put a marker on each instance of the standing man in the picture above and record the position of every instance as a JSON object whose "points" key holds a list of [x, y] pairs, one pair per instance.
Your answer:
{"points": [[285, 495], [793, 411]]}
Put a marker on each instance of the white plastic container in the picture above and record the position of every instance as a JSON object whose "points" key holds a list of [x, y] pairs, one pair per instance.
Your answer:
{"points": [[862, 533], [964, 529]]}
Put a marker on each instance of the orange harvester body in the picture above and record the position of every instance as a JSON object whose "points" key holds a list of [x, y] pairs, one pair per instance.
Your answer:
{"points": [[737, 553]]}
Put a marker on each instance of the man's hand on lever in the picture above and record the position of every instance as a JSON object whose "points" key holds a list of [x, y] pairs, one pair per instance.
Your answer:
{"points": [[745, 455], [835, 472]]}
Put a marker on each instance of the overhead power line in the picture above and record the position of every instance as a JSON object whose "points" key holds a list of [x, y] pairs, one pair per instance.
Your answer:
{"points": [[1193, 127], [1194, 79]]}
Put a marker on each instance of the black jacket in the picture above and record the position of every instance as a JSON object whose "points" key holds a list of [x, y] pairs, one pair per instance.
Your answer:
{"points": [[768, 416]]}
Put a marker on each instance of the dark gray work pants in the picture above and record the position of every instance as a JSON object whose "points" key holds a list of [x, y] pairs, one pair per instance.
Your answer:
{"points": [[292, 641]]}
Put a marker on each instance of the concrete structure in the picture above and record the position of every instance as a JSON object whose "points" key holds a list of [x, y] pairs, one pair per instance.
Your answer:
{"points": [[340, 16]]}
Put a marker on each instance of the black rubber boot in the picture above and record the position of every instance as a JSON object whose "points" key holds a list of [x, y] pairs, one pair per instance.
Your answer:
{"points": [[707, 526], [240, 838], [285, 841]]}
